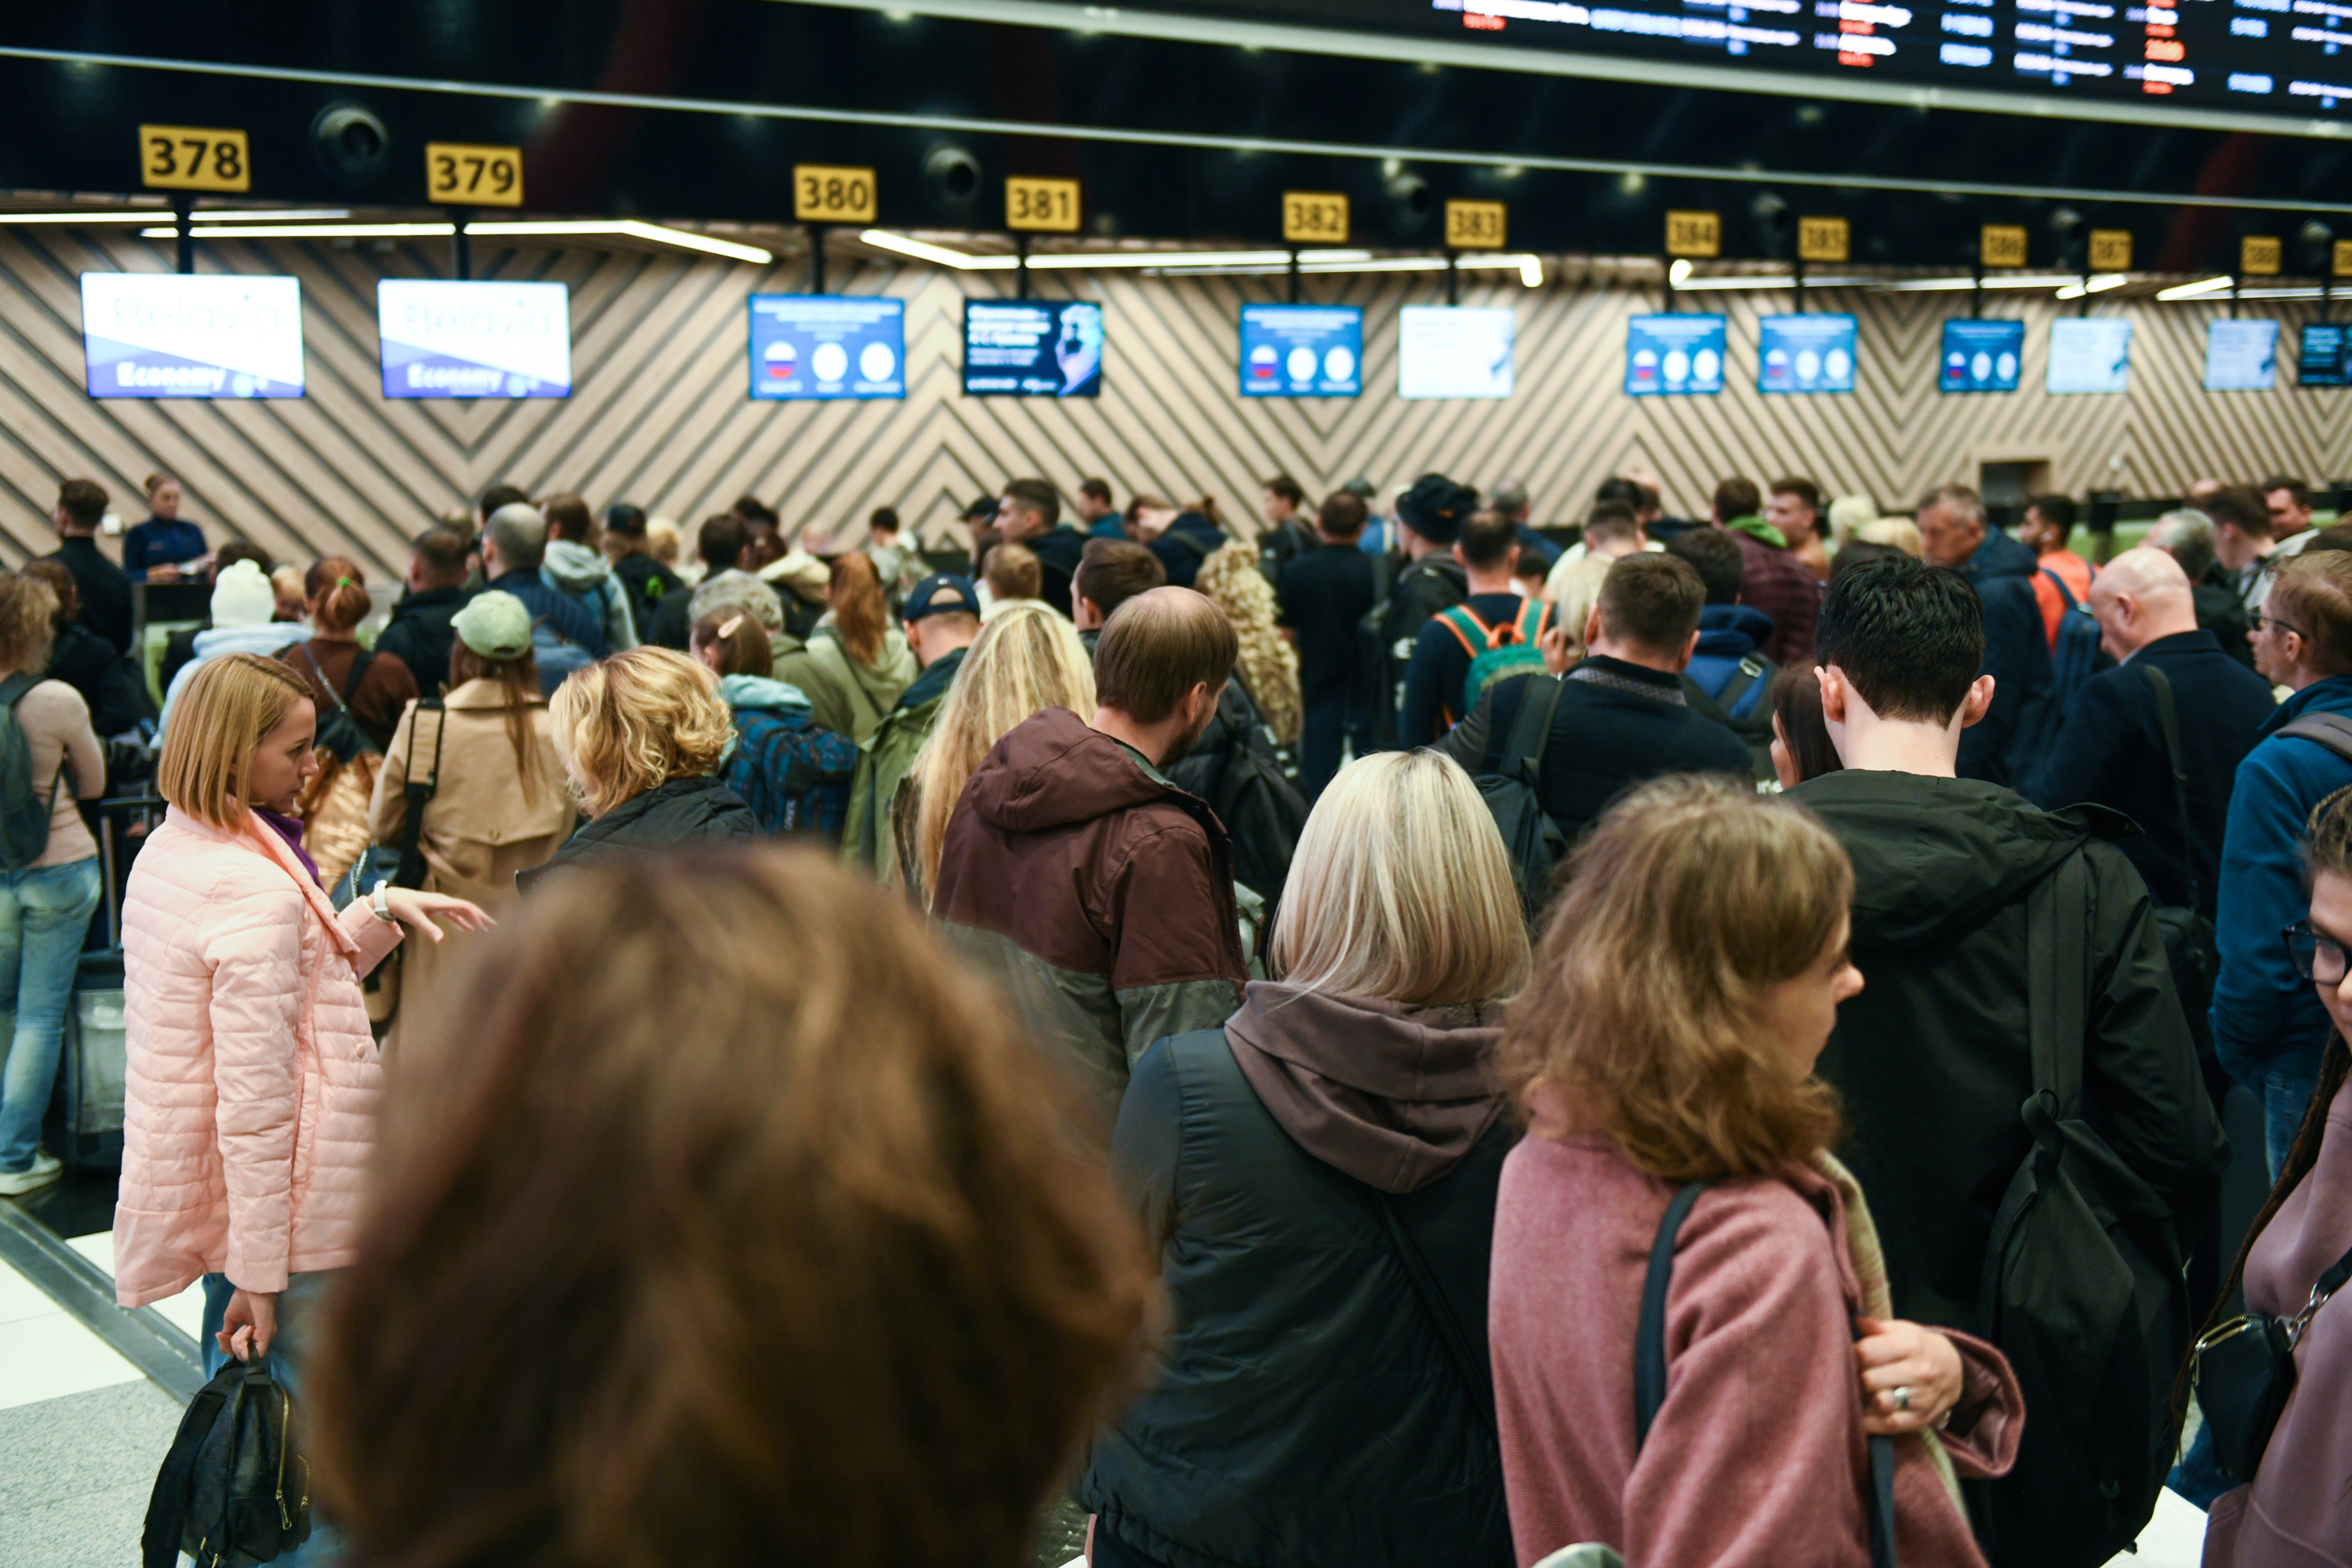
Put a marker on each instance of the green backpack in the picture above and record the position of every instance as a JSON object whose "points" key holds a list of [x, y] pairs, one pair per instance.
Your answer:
{"points": [[23, 815], [1503, 651]]}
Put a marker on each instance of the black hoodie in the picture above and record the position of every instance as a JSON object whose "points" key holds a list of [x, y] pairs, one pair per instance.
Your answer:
{"points": [[1932, 1059]]}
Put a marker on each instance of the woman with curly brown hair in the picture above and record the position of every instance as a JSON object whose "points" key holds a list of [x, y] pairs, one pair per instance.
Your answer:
{"points": [[800, 1263]]}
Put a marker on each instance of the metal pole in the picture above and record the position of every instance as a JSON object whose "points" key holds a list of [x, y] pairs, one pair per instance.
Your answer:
{"points": [[185, 212], [461, 248], [1453, 277], [1801, 285], [1294, 278], [1976, 295], [1021, 273], [816, 232]]}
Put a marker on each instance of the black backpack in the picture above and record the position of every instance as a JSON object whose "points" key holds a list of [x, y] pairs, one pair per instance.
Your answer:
{"points": [[1510, 776], [1755, 730], [2082, 1287], [1241, 777], [340, 734], [234, 1490], [24, 813], [1384, 645]]}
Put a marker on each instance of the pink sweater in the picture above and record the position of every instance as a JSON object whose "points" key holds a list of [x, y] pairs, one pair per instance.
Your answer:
{"points": [[1758, 1455], [250, 1105]]}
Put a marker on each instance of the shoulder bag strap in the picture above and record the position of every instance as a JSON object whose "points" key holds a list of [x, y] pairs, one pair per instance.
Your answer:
{"points": [[1531, 732], [1502, 724], [411, 871], [2057, 988], [1477, 1381], [2332, 730], [2167, 719], [1650, 1333]]}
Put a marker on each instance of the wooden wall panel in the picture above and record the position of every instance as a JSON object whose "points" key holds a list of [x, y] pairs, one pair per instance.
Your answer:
{"points": [[659, 412]]}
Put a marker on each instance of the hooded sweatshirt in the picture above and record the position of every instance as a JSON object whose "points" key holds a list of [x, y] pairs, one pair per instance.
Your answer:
{"points": [[587, 577], [1307, 1411], [1728, 634], [265, 640], [1100, 893], [849, 698]]}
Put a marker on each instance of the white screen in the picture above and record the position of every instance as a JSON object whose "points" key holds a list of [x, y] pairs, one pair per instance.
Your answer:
{"points": [[1455, 352], [2240, 357], [2089, 354], [167, 334], [474, 340]]}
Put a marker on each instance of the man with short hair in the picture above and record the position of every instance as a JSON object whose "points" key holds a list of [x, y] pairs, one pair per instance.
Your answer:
{"points": [[1322, 598], [1511, 499], [2268, 1028], [2187, 535], [419, 632], [1953, 532], [1430, 515], [2048, 527], [1613, 530], [942, 619], [720, 543], [105, 589], [2242, 542], [1730, 633], [1012, 574], [1101, 893], [1094, 509], [1621, 717], [564, 638], [1783, 587], [1931, 1059], [2289, 502], [1030, 513], [646, 580], [1110, 573], [496, 497], [1443, 651], [1286, 535], [2000, 744], [1182, 538], [575, 568], [1793, 506]]}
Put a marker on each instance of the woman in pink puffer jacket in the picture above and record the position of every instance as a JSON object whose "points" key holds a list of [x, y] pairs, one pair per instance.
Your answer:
{"points": [[251, 1106]]}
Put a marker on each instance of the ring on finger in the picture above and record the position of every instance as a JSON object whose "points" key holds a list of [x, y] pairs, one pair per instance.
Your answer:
{"points": [[1902, 1395]]}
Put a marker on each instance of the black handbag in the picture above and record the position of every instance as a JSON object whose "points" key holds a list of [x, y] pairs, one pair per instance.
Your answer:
{"points": [[2245, 1369], [235, 1489]]}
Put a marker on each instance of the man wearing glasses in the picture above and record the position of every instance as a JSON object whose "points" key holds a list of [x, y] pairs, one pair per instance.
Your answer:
{"points": [[2268, 1027]]}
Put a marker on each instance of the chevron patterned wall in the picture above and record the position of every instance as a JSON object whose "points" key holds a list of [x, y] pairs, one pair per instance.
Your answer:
{"points": [[660, 415]]}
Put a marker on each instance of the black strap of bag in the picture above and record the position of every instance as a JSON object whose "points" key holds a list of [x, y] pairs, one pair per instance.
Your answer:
{"points": [[1476, 1380], [1518, 727], [2330, 730], [411, 873], [2167, 717], [1650, 1376]]}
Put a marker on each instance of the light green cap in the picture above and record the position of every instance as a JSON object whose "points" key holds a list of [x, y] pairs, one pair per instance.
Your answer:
{"points": [[494, 624]]}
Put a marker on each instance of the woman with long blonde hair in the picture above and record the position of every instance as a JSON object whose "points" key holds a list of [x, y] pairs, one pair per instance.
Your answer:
{"points": [[1025, 660], [855, 663], [1268, 668]]}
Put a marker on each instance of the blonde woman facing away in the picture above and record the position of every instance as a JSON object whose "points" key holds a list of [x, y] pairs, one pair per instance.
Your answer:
{"points": [[1689, 978], [249, 1114], [1024, 661], [495, 803], [643, 736], [1318, 1178]]}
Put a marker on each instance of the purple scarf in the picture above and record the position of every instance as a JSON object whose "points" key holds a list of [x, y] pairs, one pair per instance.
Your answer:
{"points": [[289, 829]]}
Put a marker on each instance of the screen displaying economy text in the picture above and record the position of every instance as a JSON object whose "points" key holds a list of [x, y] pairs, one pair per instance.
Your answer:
{"points": [[1804, 353], [1455, 351], [2240, 357], [169, 334], [2323, 359], [2090, 354], [828, 346], [1674, 355], [1980, 356], [1302, 350], [1033, 348], [474, 340]]}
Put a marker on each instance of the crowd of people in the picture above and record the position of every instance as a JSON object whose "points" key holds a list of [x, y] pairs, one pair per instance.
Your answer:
{"points": [[1410, 1038]]}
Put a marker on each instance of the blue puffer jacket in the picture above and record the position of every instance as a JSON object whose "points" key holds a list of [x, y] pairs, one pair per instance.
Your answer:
{"points": [[1727, 634], [2265, 1015]]}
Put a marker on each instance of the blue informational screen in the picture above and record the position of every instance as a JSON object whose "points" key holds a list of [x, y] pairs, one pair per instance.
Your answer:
{"points": [[828, 346], [170, 334], [1302, 350], [1674, 355], [2240, 357], [2089, 354], [474, 340], [1981, 356], [1805, 353], [2322, 362], [1033, 348]]}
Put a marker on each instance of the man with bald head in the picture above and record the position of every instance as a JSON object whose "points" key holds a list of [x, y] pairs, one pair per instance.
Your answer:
{"points": [[2112, 750], [1100, 892]]}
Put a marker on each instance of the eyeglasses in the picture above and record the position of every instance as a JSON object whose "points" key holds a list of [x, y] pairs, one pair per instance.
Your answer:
{"points": [[2258, 620], [2318, 958]]}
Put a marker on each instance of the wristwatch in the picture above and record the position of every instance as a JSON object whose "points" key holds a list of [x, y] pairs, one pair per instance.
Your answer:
{"points": [[380, 902]]}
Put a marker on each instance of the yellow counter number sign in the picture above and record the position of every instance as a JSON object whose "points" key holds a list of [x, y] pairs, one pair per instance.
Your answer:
{"points": [[1823, 239], [2111, 251], [460, 175], [1315, 217], [1049, 206], [2004, 244], [1693, 234], [2260, 255], [1477, 226], [822, 193], [186, 158]]}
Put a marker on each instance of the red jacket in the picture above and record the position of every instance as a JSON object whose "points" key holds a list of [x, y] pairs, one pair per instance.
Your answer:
{"points": [[1756, 1459]]}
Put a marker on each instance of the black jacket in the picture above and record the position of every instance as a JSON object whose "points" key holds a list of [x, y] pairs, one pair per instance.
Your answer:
{"points": [[1306, 1414], [649, 583], [2222, 613], [1058, 551], [1189, 540], [84, 662], [677, 813], [2111, 752], [1618, 724], [1931, 1059], [420, 635], [2013, 735], [105, 591]]}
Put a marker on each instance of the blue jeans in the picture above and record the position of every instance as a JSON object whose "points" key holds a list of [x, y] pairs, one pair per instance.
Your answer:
{"points": [[44, 916], [2286, 1091], [298, 1308]]}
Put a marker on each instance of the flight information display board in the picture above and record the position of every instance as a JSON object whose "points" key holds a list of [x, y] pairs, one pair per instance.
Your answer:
{"points": [[169, 334], [1033, 348], [1804, 353], [474, 340], [2262, 57], [1302, 350], [1980, 355], [2240, 357], [2323, 359], [826, 346], [1674, 355]]}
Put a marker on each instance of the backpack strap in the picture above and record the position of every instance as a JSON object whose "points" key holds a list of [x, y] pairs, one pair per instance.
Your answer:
{"points": [[1478, 1379], [1650, 1333], [411, 871], [2167, 719], [1749, 670], [2064, 591], [2057, 996], [1531, 729], [1475, 635], [2332, 730], [1534, 617], [13, 689]]}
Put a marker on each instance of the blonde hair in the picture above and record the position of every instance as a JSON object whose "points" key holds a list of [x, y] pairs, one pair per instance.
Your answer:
{"points": [[1690, 901], [1268, 666], [1024, 661], [635, 721], [232, 700], [1899, 531], [663, 540], [1400, 889], [861, 617], [28, 622]]}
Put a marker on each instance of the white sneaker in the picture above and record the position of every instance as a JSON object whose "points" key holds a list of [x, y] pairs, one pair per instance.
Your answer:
{"points": [[45, 1168]]}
